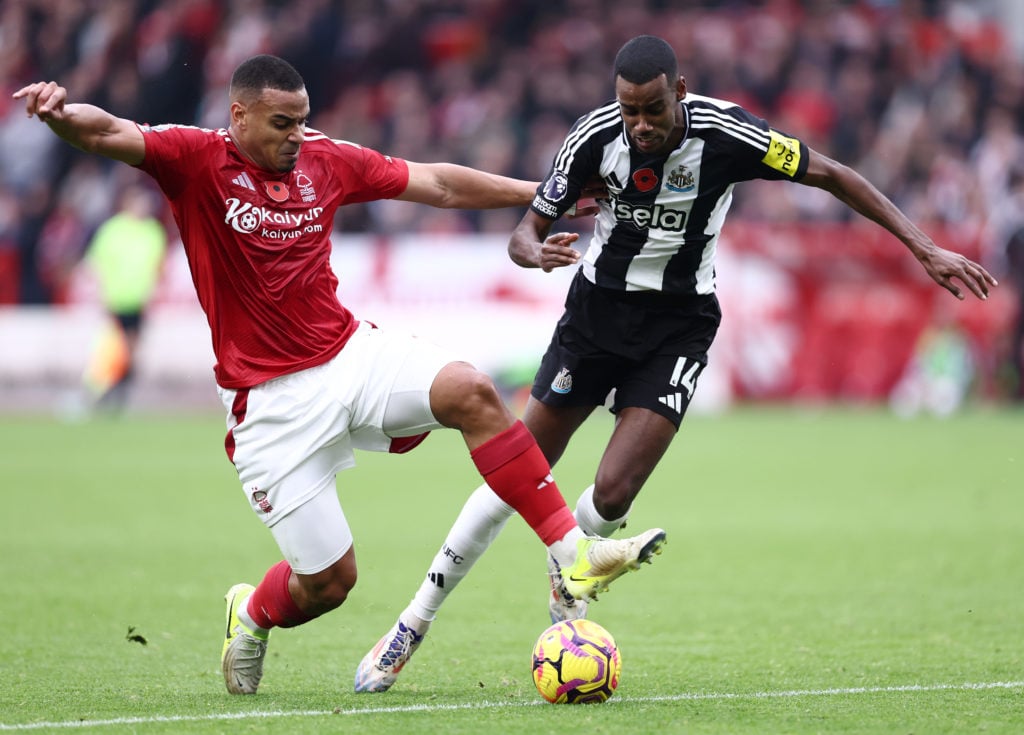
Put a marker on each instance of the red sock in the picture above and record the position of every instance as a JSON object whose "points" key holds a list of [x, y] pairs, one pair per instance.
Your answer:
{"points": [[515, 468], [272, 604]]}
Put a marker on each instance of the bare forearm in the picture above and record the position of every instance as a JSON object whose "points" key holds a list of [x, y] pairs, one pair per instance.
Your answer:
{"points": [[523, 246], [84, 126], [944, 266], [81, 125], [451, 186], [94, 130], [860, 195], [471, 189]]}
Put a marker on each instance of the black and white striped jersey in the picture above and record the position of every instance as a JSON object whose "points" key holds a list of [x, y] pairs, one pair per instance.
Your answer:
{"points": [[659, 228]]}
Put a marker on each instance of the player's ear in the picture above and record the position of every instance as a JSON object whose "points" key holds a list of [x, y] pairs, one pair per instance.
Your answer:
{"points": [[238, 115], [680, 88]]}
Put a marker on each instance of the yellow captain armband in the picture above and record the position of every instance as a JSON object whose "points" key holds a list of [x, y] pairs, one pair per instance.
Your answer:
{"points": [[783, 154]]}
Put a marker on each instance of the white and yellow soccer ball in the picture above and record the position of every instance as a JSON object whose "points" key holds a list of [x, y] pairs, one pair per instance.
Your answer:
{"points": [[576, 662]]}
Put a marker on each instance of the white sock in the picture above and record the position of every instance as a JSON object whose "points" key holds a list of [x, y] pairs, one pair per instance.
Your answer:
{"points": [[247, 621], [591, 521], [564, 550], [479, 523], [410, 619]]}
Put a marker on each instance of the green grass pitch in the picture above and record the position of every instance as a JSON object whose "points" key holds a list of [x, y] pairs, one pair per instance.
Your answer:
{"points": [[828, 571]]}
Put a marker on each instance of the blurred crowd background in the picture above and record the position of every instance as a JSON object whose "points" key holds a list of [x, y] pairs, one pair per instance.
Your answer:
{"points": [[925, 98]]}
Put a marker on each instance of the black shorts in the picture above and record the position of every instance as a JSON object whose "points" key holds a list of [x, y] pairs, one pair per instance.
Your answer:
{"points": [[648, 347], [130, 321]]}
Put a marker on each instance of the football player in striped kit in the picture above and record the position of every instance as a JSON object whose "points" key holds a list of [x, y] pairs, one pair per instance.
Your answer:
{"points": [[641, 312]]}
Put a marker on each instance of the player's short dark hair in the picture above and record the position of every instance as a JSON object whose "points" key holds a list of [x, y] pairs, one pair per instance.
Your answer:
{"points": [[645, 58], [264, 72]]}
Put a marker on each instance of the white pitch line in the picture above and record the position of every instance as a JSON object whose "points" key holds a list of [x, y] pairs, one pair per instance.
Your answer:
{"points": [[685, 697]]}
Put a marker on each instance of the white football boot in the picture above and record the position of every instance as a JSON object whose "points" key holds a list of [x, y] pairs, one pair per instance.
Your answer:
{"points": [[379, 668]]}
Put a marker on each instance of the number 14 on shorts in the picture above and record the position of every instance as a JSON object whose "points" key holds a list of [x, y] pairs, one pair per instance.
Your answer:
{"points": [[684, 375]]}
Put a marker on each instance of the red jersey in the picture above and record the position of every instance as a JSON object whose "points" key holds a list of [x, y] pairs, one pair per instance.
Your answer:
{"points": [[259, 242]]}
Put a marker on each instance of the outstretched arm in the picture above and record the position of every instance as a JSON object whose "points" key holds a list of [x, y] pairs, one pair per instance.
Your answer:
{"points": [[450, 186], [84, 126], [859, 194]]}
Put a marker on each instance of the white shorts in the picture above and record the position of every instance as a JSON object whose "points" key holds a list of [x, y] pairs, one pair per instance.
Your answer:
{"points": [[290, 436]]}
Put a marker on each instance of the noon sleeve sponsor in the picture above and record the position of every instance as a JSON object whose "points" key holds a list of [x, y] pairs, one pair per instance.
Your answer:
{"points": [[783, 154]]}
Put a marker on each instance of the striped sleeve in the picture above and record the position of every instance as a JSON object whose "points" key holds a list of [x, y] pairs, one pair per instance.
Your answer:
{"points": [[759, 151], [577, 160]]}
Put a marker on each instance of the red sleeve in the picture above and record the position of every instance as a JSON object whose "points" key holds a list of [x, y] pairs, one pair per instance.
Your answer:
{"points": [[172, 152], [367, 175]]}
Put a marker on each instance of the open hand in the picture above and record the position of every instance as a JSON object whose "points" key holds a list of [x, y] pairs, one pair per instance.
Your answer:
{"points": [[557, 251], [944, 266]]}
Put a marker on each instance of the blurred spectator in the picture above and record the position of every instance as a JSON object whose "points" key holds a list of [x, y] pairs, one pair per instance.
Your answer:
{"points": [[10, 268], [938, 376], [925, 97], [1015, 267], [125, 255]]}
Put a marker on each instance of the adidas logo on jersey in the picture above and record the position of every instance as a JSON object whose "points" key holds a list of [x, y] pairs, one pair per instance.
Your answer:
{"points": [[243, 181]]}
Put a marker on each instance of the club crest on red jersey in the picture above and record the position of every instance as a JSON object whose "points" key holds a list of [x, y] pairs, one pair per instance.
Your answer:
{"points": [[306, 190]]}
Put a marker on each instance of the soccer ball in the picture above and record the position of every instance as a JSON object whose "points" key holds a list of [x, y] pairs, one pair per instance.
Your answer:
{"points": [[576, 662]]}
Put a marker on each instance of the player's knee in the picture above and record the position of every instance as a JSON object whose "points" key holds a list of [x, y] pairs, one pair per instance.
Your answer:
{"points": [[334, 594], [471, 402], [479, 392], [325, 592]]}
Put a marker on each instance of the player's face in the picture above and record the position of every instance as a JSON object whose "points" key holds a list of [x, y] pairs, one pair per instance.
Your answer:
{"points": [[651, 112], [270, 129]]}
